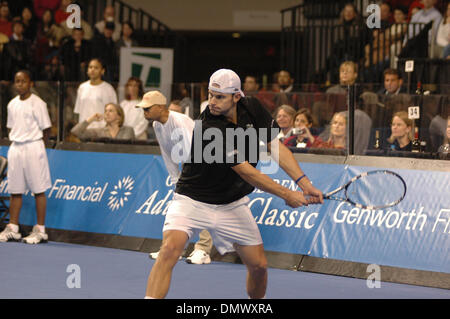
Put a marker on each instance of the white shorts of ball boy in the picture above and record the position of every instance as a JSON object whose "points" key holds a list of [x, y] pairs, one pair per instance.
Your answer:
{"points": [[28, 168], [228, 224]]}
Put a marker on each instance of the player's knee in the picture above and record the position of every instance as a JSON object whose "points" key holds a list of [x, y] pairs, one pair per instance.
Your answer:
{"points": [[258, 269], [169, 251]]}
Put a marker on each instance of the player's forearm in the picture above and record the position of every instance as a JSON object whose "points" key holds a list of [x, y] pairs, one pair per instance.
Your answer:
{"points": [[288, 164], [259, 180]]}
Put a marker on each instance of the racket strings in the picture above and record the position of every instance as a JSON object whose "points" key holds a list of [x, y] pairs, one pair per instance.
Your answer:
{"points": [[376, 190]]}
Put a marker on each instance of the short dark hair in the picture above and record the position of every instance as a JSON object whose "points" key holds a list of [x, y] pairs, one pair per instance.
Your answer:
{"points": [[26, 72], [392, 72]]}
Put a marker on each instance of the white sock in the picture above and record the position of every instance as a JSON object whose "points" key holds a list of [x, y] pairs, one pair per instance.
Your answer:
{"points": [[14, 227], [148, 297], [41, 228]]}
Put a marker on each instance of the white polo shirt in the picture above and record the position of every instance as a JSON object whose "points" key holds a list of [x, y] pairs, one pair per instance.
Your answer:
{"points": [[27, 119], [92, 99], [175, 138]]}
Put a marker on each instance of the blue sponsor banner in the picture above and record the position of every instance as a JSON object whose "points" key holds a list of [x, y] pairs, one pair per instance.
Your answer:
{"points": [[127, 194]]}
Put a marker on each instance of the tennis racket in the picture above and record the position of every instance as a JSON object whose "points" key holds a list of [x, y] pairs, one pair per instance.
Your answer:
{"points": [[371, 190]]}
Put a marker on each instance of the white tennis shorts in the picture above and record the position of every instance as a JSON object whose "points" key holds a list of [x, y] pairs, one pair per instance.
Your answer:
{"points": [[28, 168], [227, 224]]}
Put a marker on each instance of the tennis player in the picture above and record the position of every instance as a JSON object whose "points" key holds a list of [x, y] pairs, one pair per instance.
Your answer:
{"points": [[212, 195], [173, 129], [28, 167]]}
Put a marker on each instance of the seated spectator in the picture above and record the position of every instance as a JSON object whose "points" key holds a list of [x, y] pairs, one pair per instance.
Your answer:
{"points": [[284, 116], [392, 83], [348, 72], [385, 15], [303, 132], [94, 94], [396, 33], [108, 16], [428, 14], [286, 95], [104, 47], [338, 133], [250, 85], [175, 105], [438, 126], [61, 14], [5, 19], [17, 53], [401, 132], [47, 41], [134, 116], [75, 55], [444, 149], [442, 44], [87, 29], [114, 128], [41, 5], [29, 24], [126, 40]]}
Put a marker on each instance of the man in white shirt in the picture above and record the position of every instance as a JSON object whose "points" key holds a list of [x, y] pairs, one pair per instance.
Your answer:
{"points": [[427, 14], [28, 167], [174, 131]]}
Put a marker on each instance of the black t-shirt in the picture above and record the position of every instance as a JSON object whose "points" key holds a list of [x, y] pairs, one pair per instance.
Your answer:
{"points": [[208, 177]]}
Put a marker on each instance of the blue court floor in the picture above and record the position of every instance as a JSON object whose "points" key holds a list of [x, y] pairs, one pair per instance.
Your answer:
{"points": [[44, 272]]}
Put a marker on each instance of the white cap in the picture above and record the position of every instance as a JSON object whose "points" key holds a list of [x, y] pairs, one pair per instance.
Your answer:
{"points": [[225, 81]]}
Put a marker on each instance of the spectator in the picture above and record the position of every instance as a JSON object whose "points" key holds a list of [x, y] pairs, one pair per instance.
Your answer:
{"points": [[104, 47], [108, 16], [251, 85], [181, 92], [113, 117], [41, 5], [75, 55], [94, 94], [397, 32], [444, 149], [303, 133], [438, 125], [17, 53], [126, 40], [5, 19], [87, 29], [175, 105], [286, 93], [48, 39], [284, 116], [61, 14], [29, 24], [134, 117], [414, 7], [401, 132], [428, 14], [338, 133], [385, 15], [392, 83], [348, 72], [442, 44]]}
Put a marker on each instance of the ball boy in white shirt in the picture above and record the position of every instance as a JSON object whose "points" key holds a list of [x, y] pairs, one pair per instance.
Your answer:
{"points": [[28, 168]]}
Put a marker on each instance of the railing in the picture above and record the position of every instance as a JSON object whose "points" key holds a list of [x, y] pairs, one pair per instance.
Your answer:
{"points": [[374, 109]]}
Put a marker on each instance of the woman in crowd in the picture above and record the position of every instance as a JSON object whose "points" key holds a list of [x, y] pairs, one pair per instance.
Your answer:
{"points": [[134, 117], [338, 133], [94, 94], [113, 117], [401, 132], [302, 135], [284, 115]]}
